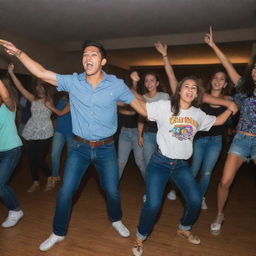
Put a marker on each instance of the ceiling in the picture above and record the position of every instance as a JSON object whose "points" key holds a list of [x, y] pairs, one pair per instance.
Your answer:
{"points": [[123, 25]]}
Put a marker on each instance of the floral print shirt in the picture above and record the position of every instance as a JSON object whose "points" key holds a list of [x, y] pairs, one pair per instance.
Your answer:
{"points": [[39, 126], [247, 107]]}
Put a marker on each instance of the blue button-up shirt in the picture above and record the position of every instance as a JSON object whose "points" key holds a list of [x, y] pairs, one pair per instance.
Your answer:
{"points": [[94, 111]]}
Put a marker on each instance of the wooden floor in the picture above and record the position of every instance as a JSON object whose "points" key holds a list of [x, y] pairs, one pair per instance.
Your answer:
{"points": [[90, 232]]}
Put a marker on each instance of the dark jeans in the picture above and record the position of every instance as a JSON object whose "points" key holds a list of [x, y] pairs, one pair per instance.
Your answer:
{"points": [[159, 171], [37, 150], [8, 161], [81, 155]]}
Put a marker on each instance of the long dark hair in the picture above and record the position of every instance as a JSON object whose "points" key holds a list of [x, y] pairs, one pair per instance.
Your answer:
{"points": [[175, 99], [225, 91], [159, 88], [47, 89], [10, 88], [248, 85]]}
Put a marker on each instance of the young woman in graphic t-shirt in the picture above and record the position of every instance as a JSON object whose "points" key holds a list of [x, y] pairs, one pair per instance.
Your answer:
{"points": [[178, 120]]}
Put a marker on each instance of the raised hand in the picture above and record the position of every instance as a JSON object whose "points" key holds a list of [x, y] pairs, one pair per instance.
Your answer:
{"points": [[10, 67], [135, 76], [208, 38], [10, 48], [161, 48]]}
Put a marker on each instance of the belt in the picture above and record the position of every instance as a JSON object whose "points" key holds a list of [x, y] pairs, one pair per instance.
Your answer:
{"points": [[95, 143]]}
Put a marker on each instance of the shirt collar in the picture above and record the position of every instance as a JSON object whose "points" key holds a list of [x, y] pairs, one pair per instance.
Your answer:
{"points": [[106, 77]]}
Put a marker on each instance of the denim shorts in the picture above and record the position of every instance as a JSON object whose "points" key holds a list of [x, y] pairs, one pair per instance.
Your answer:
{"points": [[243, 146]]}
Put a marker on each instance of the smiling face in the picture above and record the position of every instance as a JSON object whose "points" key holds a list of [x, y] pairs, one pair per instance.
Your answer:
{"points": [[219, 82], [151, 82], [92, 60], [188, 91]]}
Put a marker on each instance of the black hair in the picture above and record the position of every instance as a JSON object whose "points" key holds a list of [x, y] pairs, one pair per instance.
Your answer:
{"points": [[225, 91], [248, 85], [102, 50]]}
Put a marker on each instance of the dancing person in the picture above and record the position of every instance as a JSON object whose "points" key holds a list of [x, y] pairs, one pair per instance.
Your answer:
{"points": [[93, 102], [178, 120], [62, 135], [128, 136], [37, 131], [244, 142], [207, 145], [10, 152]]}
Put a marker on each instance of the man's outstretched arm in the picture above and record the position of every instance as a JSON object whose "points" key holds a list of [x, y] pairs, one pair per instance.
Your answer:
{"points": [[34, 67]]}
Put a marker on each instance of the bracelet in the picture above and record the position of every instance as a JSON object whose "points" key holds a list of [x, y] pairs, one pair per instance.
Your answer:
{"points": [[164, 56]]}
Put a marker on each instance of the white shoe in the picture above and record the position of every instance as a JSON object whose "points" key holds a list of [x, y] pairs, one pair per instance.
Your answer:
{"points": [[50, 242], [12, 219], [216, 225], [144, 198], [121, 228], [204, 205], [171, 195]]}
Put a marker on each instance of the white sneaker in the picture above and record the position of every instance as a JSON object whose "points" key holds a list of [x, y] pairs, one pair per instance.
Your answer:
{"points": [[50, 242], [121, 228], [12, 219], [204, 205], [171, 195]]}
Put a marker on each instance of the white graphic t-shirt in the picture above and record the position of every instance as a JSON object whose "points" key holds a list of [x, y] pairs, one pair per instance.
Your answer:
{"points": [[175, 133]]}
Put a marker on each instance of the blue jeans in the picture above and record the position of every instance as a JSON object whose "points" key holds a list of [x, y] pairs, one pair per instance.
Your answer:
{"points": [[105, 160], [150, 145], [206, 153], [58, 143], [8, 161], [128, 140], [159, 171]]}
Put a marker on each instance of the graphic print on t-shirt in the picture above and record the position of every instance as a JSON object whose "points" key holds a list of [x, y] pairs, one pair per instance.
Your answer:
{"points": [[183, 127]]}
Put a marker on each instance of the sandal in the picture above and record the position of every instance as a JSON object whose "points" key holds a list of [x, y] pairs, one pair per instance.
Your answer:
{"points": [[216, 225], [189, 236], [137, 249]]}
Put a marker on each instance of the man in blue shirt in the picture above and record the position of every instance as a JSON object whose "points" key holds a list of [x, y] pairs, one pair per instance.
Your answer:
{"points": [[93, 101]]}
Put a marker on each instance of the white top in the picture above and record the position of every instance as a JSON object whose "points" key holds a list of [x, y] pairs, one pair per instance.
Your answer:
{"points": [[39, 126], [175, 133]]}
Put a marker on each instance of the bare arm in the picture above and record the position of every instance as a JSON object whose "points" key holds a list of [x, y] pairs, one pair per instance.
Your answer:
{"points": [[234, 76], [58, 112], [162, 49], [6, 98], [208, 98], [222, 118], [34, 67], [29, 96], [140, 130], [139, 106]]}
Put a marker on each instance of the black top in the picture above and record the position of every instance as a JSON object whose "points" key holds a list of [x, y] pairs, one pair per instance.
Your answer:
{"points": [[128, 121], [150, 126], [215, 130]]}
